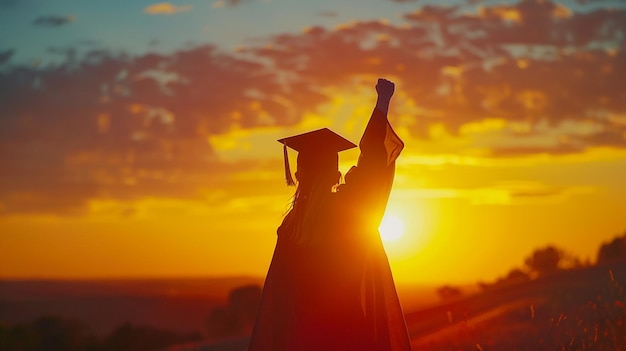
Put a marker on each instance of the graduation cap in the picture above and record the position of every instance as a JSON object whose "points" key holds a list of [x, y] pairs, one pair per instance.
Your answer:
{"points": [[315, 145]]}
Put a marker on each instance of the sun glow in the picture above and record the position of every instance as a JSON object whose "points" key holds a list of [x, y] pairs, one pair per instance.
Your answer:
{"points": [[391, 228]]}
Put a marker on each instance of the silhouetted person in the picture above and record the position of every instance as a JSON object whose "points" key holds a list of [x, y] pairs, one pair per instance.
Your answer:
{"points": [[329, 286]]}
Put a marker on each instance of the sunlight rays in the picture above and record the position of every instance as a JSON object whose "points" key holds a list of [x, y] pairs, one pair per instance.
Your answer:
{"points": [[391, 228]]}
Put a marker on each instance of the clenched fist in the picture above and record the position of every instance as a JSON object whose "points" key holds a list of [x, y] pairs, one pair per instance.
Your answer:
{"points": [[385, 88]]}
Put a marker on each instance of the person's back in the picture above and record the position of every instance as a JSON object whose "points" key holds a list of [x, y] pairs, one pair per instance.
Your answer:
{"points": [[329, 286]]}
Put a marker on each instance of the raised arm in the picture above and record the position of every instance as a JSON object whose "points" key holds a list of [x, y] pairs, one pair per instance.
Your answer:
{"points": [[369, 183], [380, 145]]}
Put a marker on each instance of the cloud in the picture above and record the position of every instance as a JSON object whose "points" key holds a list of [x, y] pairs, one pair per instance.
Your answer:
{"points": [[123, 128], [118, 127], [503, 193], [166, 8], [5, 56], [53, 21], [8, 3], [231, 3], [237, 2], [328, 13], [534, 62], [586, 2]]}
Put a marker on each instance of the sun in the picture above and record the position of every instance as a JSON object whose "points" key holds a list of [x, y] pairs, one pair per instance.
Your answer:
{"points": [[391, 228]]}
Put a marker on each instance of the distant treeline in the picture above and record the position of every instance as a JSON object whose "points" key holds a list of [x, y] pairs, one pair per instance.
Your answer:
{"points": [[550, 259], [545, 261], [52, 333]]}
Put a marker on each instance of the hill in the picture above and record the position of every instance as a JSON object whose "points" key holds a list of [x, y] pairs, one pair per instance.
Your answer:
{"points": [[180, 305], [582, 309], [576, 309]]}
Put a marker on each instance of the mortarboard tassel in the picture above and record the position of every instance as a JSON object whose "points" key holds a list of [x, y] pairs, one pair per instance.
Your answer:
{"points": [[288, 176]]}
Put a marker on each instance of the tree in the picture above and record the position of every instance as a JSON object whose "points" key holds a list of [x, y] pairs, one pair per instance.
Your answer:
{"points": [[237, 317], [244, 302], [544, 260], [516, 275], [144, 338], [50, 333], [448, 292], [613, 251]]}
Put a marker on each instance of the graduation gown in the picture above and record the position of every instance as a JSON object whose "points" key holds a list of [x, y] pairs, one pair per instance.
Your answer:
{"points": [[338, 292]]}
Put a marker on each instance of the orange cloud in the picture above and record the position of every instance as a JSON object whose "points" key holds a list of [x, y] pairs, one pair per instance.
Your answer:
{"points": [[503, 193], [166, 8], [505, 13], [466, 86]]}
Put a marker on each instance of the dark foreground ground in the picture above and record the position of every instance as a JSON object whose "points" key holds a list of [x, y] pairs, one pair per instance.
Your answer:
{"points": [[582, 309]]}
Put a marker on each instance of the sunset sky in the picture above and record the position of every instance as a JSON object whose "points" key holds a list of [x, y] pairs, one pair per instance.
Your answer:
{"points": [[138, 139]]}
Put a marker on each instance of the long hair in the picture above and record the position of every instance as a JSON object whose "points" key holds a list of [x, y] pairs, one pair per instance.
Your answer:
{"points": [[308, 216]]}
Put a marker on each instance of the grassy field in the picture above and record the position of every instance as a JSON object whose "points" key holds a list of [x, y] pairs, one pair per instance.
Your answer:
{"points": [[571, 310]]}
